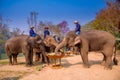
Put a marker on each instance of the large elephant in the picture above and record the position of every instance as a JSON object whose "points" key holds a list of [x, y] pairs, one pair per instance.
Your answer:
{"points": [[68, 41], [96, 40], [21, 44]]}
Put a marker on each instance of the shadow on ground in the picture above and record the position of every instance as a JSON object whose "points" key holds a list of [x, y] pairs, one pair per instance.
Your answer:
{"points": [[10, 78]]}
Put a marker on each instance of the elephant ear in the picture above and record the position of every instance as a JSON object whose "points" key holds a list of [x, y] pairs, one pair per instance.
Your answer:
{"points": [[77, 40]]}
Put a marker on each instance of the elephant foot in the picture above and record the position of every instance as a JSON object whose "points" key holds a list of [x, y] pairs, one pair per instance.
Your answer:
{"points": [[32, 64], [28, 65], [15, 64], [10, 64], [36, 60], [108, 68], [103, 63], [86, 66]]}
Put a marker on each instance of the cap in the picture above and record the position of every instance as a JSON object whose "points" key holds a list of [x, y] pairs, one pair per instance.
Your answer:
{"points": [[32, 27], [75, 21], [46, 27]]}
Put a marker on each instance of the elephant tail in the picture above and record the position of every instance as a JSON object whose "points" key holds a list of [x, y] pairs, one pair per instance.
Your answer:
{"points": [[114, 59], [7, 49]]}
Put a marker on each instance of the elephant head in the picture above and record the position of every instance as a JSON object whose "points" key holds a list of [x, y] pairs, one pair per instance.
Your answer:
{"points": [[50, 41], [35, 41], [67, 41]]}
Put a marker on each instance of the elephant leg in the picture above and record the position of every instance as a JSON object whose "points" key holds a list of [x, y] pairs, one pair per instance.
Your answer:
{"points": [[45, 58], [108, 53], [31, 58], [37, 56], [10, 60], [103, 61], [25, 51], [14, 59], [108, 64], [27, 58], [85, 59], [76, 50]]}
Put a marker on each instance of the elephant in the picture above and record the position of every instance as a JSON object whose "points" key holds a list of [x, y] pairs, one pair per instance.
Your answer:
{"points": [[97, 40], [68, 41], [50, 41], [40, 52], [46, 46], [21, 44]]}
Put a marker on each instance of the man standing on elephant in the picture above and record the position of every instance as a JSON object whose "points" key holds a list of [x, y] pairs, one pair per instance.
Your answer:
{"points": [[46, 32], [78, 27], [31, 32]]}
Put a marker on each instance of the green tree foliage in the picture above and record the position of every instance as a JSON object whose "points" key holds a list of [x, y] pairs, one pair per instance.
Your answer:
{"points": [[16, 32], [108, 18], [4, 34], [55, 29], [87, 26], [59, 29]]}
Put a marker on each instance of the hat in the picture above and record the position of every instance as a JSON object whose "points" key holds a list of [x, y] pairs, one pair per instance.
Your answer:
{"points": [[46, 27], [32, 27], [75, 21]]}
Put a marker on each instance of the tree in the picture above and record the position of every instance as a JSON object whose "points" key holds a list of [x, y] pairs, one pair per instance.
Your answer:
{"points": [[108, 18], [16, 32], [4, 34], [32, 20], [54, 29], [63, 27]]}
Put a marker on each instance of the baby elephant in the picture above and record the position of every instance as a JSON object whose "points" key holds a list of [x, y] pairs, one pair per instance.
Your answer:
{"points": [[96, 40]]}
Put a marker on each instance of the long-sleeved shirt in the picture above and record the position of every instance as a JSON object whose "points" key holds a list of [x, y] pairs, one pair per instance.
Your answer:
{"points": [[31, 32], [78, 27], [46, 32]]}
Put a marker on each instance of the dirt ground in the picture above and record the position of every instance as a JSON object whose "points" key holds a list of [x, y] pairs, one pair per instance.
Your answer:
{"points": [[72, 69]]}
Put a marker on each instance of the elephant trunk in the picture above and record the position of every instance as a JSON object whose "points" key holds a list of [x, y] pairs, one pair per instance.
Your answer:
{"points": [[61, 45], [55, 44]]}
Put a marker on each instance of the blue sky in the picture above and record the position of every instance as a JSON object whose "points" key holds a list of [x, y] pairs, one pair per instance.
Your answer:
{"points": [[50, 10]]}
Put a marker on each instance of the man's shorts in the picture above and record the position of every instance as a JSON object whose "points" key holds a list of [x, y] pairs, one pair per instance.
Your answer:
{"points": [[78, 33], [33, 35]]}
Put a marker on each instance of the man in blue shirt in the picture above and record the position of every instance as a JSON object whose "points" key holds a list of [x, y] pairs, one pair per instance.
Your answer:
{"points": [[78, 27], [46, 32], [31, 32]]}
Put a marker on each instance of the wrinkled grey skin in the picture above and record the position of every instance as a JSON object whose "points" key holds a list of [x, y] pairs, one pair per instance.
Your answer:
{"points": [[96, 40], [40, 52], [50, 42], [21, 44], [68, 41], [46, 47]]}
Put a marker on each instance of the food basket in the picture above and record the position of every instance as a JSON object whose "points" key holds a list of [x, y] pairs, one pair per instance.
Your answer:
{"points": [[55, 56]]}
